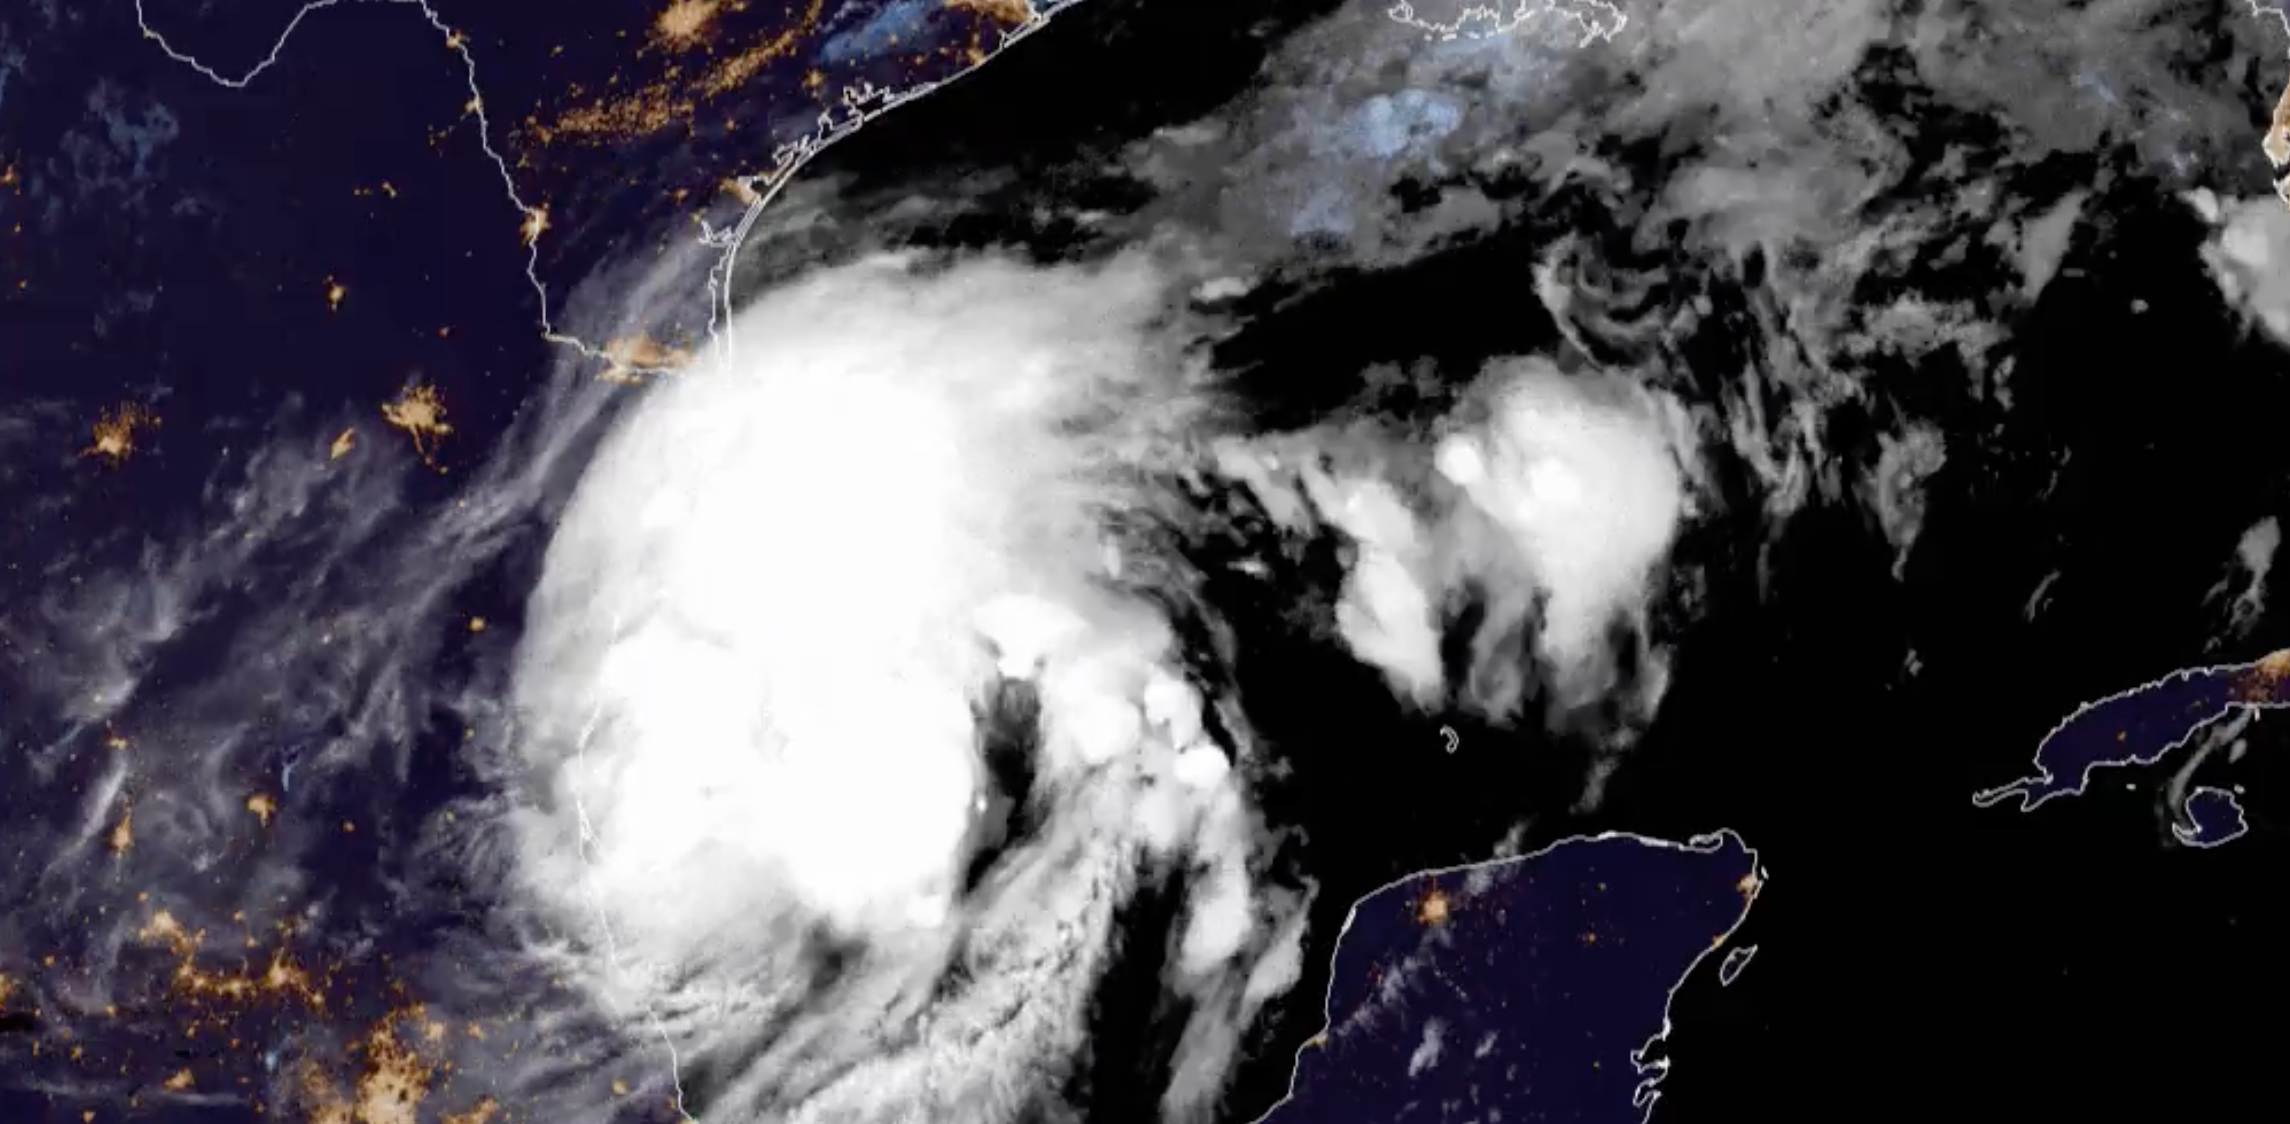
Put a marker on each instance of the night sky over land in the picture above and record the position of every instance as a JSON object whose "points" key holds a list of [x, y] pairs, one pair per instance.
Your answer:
{"points": [[1967, 325]]}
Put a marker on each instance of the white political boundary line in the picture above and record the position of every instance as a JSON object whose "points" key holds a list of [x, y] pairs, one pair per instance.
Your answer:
{"points": [[1499, 24], [532, 260], [2260, 10], [476, 108], [860, 104]]}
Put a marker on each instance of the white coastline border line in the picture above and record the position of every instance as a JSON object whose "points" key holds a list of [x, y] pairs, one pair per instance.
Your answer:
{"points": [[859, 105], [1990, 797], [1644, 1094]]}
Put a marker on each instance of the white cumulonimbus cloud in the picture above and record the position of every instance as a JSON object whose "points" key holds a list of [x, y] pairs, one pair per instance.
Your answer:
{"points": [[1549, 502], [1588, 489], [767, 621]]}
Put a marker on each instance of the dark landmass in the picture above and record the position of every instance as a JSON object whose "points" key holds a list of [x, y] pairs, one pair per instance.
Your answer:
{"points": [[2213, 817], [634, 120], [1534, 988], [2140, 726], [339, 245]]}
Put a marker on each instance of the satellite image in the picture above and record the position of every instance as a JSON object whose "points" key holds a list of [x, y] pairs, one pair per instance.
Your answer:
{"points": [[1176, 561]]}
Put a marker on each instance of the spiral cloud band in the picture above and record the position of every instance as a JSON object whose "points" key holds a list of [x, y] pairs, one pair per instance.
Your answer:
{"points": [[769, 623]]}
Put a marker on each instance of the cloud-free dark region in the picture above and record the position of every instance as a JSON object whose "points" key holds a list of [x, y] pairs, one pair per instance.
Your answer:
{"points": [[1533, 988], [2143, 725]]}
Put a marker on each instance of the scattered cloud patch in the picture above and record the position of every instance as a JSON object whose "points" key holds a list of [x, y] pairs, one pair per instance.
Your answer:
{"points": [[785, 590]]}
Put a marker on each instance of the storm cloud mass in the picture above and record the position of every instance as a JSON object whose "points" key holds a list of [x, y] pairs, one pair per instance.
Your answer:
{"points": [[768, 621], [972, 687], [810, 564]]}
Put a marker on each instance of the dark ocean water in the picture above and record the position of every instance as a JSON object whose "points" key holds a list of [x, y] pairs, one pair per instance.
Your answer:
{"points": [[1834, 711], [171, 242]]}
